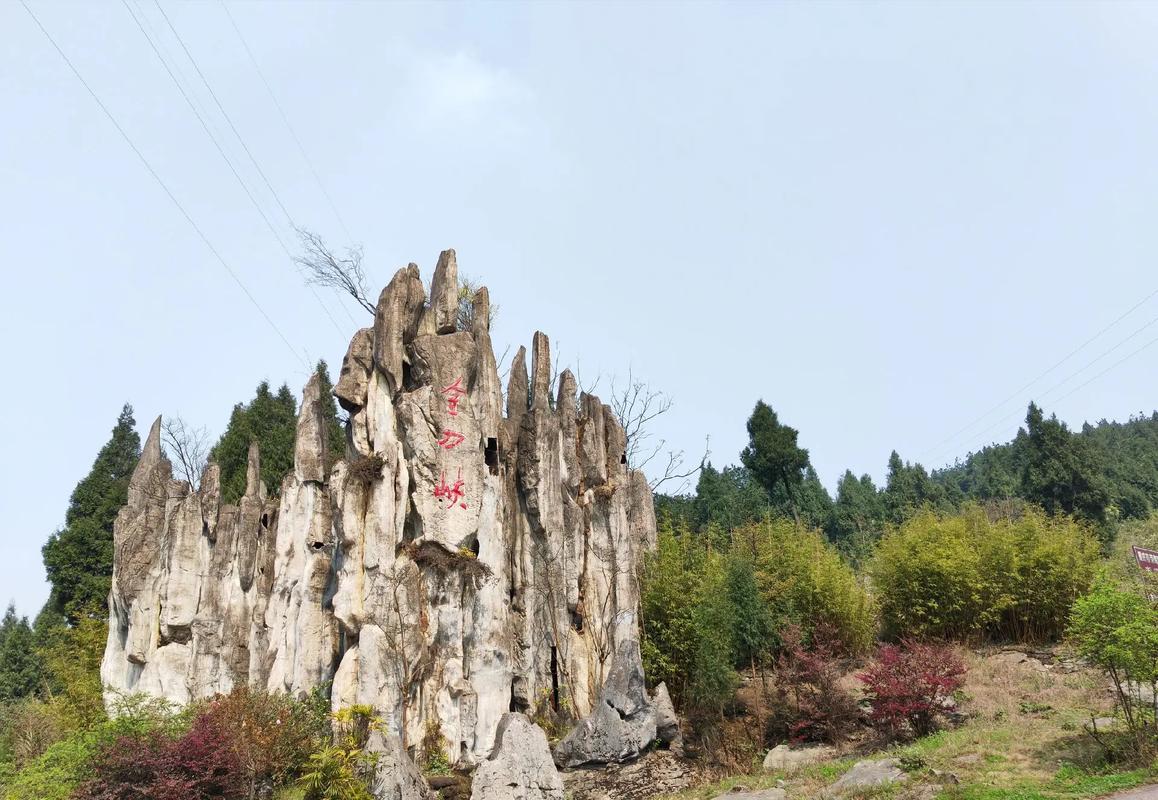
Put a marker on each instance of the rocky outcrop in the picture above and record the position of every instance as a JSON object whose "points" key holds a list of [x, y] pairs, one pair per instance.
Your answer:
{"points": [[622, 724], [396, 777], [476, 552], [520, 766]]}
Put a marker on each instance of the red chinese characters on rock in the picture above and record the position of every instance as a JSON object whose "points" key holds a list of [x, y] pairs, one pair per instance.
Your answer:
{"points": [[454, 394], [451, 439], [452, 494]]}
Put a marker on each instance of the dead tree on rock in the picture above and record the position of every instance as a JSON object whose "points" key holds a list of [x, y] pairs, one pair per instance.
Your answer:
{"points": [[323, 267], [636, 405], [188, 449]]}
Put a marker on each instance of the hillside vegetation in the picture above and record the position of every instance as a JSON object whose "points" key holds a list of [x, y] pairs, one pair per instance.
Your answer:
{"points": [[872, 622]]}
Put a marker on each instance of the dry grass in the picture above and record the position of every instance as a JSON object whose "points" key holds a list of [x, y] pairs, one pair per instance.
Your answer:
{"points": [[1022, 739]]}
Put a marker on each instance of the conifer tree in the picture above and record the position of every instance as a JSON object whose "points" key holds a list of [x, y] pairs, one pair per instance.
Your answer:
{"points": [[773, 457], [20, 669], [79, 557]]}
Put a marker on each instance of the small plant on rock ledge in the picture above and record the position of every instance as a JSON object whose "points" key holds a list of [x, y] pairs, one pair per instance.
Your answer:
{"points": [[365, 470], [433, 758]]}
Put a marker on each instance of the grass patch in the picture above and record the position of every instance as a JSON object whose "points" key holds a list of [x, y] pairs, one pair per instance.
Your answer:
{"points": [[1022, 740]]}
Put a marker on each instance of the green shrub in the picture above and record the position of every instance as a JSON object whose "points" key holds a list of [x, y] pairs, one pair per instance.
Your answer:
{"points": [[1117, 629], [56, 772], [804, 580], [707, 613], [965, 575]]}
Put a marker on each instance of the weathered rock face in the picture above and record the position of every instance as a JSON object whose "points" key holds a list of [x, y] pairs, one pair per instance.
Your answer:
{"points": [[622, 723], [520, 766], [460, 563]]}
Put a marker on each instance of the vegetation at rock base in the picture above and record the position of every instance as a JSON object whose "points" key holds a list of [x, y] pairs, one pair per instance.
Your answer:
{"points": [[772, 611]]}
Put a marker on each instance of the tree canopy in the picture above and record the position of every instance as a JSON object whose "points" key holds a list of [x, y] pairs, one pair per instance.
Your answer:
{"points": [[79, 557]]}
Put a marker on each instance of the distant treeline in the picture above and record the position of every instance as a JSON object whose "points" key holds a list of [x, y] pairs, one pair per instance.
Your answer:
{"points": [[1103, 474]]}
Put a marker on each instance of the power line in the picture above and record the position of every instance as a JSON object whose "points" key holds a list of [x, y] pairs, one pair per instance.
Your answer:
{"points": [[149, 167], [938, 446], [224, 113], [285, 119], [248, 152], [217, 144], [1083, 368]]}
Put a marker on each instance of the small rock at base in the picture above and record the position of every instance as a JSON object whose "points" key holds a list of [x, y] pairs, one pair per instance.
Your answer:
{"points": [[783, 758]]}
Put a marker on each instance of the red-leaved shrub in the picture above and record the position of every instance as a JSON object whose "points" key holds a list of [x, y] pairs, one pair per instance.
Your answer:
{"points": [[808, 686], [201, 765], [910, 685]]}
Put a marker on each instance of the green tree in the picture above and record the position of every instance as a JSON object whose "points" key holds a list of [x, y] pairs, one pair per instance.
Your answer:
{"points": [[728, 499], [79, 557], [20, 668], [1117, 630], [909, 488], [271, 420], [772, 455], [1063, 472], [268, 419], [336, 431], [858, 511]]}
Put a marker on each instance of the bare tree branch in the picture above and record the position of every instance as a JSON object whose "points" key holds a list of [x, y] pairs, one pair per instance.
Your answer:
{"points": [[322, 267], [187, 447], [636, 405]]}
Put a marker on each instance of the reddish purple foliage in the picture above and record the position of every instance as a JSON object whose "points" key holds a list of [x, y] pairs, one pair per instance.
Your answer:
{"points": [[911, 685], [808, 683], [201, 765]]}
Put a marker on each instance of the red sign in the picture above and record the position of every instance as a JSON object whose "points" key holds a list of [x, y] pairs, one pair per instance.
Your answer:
{"points": [[1147, 559]]}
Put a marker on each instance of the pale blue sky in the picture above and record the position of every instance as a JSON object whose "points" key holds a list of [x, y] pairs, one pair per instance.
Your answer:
{"points": [[883, 219]]}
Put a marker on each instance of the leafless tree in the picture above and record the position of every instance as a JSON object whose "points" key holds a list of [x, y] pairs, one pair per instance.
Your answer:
{"points": [[187, 447], [636, 405], [323, 267]]}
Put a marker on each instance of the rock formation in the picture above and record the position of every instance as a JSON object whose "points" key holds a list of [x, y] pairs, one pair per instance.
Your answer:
{"points": [[520, 766], [458, 564]]}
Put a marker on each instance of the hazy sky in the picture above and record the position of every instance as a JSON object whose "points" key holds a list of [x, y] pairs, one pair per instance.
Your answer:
{"points": [[883, 219]]}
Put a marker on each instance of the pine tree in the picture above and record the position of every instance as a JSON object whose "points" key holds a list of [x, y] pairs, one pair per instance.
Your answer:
{"points": [[20, 668], [79, 557], [773, 457], [1063, 472], [271, 421], [337, 433]]}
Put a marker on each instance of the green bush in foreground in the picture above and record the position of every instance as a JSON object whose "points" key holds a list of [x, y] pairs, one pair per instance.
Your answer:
{"points": [[967, 576], [1117, 630]]}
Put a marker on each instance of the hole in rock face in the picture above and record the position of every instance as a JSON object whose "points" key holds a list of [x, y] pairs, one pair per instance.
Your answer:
{"points": [[491, 456], [554, 678], [623, 458], [316, 546]]}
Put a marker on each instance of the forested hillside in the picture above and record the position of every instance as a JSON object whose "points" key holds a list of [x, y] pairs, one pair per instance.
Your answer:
{"points": [[1103, 474]]}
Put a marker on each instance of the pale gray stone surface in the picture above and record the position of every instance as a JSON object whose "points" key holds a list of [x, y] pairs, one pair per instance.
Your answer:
{"points": [[756, 794], [783, 758], [623, 723], [395, 775], [520, 766], [867, 775], [489, 564]]}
